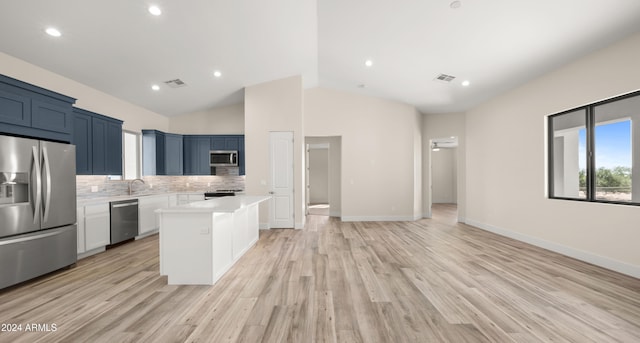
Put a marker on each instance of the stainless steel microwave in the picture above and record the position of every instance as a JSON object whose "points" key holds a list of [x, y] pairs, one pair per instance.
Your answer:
{"points": [[223, 158]]}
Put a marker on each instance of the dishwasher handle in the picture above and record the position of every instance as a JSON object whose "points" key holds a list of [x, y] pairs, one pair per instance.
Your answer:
{"points": [[125, 204]]}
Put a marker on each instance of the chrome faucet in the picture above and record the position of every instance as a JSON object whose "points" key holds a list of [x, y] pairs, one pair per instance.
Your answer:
{"points": [[131, 183]]}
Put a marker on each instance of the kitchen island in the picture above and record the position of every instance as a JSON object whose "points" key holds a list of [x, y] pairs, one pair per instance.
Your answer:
{"points": [[200, 241]]}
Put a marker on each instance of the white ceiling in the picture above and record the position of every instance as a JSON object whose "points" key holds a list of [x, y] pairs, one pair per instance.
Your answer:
{"points": [[116, 46]]}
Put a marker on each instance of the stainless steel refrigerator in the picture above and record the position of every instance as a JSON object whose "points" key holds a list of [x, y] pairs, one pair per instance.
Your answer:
{"points": [[37, 208]]}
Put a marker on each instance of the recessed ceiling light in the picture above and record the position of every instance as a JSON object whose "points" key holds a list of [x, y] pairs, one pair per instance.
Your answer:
{"points": [[155, 87], [455, 4], [368, 63], [466, 83], [155, 10], [52, 31], [217, 73]]}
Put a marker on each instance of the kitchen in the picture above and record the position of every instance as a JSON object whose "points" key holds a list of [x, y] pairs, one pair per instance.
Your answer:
{"points": [[372, 130], [43, 180]]}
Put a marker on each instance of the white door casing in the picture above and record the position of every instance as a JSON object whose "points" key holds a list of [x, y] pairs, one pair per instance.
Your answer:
{"points": [[281, 177]]}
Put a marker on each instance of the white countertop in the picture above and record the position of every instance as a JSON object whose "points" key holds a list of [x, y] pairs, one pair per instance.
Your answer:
{"points": [[220, 205], [98, 200]]}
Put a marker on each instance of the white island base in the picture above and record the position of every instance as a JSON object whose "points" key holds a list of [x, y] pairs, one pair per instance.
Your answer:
{"points": [[200, 241]]}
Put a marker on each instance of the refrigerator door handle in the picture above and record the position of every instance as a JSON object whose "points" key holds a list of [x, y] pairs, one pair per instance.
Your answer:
{"points": [[47, 169], [38, 187]]}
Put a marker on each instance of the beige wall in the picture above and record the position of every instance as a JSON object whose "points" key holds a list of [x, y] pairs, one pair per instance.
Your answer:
{"points": [[443, 125], [135, 117], [379, 157], [318, 176], [273, 106], [506, 163], [216, 121]]}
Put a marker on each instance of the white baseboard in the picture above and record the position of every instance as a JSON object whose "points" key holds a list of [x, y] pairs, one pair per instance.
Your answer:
{"points": [[601, 261], [145, 235], [266, 226], [91, 252], [377, 218]]}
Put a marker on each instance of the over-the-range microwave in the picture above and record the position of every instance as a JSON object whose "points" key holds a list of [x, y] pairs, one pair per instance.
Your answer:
{"points": [[223, 158]]}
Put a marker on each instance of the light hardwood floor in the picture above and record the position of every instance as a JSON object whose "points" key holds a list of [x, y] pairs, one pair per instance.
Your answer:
{"points": [[432, 280]]}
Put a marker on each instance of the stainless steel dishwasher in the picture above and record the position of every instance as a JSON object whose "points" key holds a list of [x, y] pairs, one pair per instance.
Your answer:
{"points": [[124, 220]]}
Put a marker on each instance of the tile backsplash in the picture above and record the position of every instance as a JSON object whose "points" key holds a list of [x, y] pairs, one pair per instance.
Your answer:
{"points": [[153, 185]]}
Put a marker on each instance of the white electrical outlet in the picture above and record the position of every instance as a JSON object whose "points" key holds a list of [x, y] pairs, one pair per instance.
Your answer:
{"points": [[151, 186], [208, 184], [187, 184], [94, 189]]}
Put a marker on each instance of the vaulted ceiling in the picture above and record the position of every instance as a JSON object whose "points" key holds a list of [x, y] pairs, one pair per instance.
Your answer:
{"points": [[118, 47]]}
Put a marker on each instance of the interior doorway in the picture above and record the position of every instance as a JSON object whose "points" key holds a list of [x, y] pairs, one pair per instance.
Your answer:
{"points": [[323, 176], [318, 179], [443, 176]]}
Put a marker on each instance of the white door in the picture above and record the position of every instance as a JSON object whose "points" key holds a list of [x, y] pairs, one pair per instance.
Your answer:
{"points": [[281, 170]]}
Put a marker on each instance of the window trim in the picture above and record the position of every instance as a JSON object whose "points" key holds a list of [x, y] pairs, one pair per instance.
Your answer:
{"points": [[138, 136], [590, 153]]}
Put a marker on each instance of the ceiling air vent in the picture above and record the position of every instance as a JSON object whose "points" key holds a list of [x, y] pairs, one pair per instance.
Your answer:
{"points": [[444, 78], [176, 83]]}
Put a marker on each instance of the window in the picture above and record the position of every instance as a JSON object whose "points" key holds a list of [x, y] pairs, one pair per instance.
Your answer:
{"points": [[591, 152], [131, 155]]}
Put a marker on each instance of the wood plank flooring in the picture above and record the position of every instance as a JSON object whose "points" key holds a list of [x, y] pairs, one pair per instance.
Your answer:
{"points": [[432, 280]]}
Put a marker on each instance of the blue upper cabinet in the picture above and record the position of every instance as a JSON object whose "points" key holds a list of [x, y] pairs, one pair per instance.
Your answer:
{"points": [[33, 111], [98, 141], [217, 142], [173, 154], [225, 142], [196, 155], [162, 153], [82, 139], [241, 154], [15, 109], [197, 147]]}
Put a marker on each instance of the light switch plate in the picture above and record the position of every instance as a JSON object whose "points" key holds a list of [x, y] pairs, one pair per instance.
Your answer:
{"points": [[94, 189]]}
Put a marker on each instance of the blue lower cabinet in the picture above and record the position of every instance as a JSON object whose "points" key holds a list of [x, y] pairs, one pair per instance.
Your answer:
{"points": [[98, 141]]}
